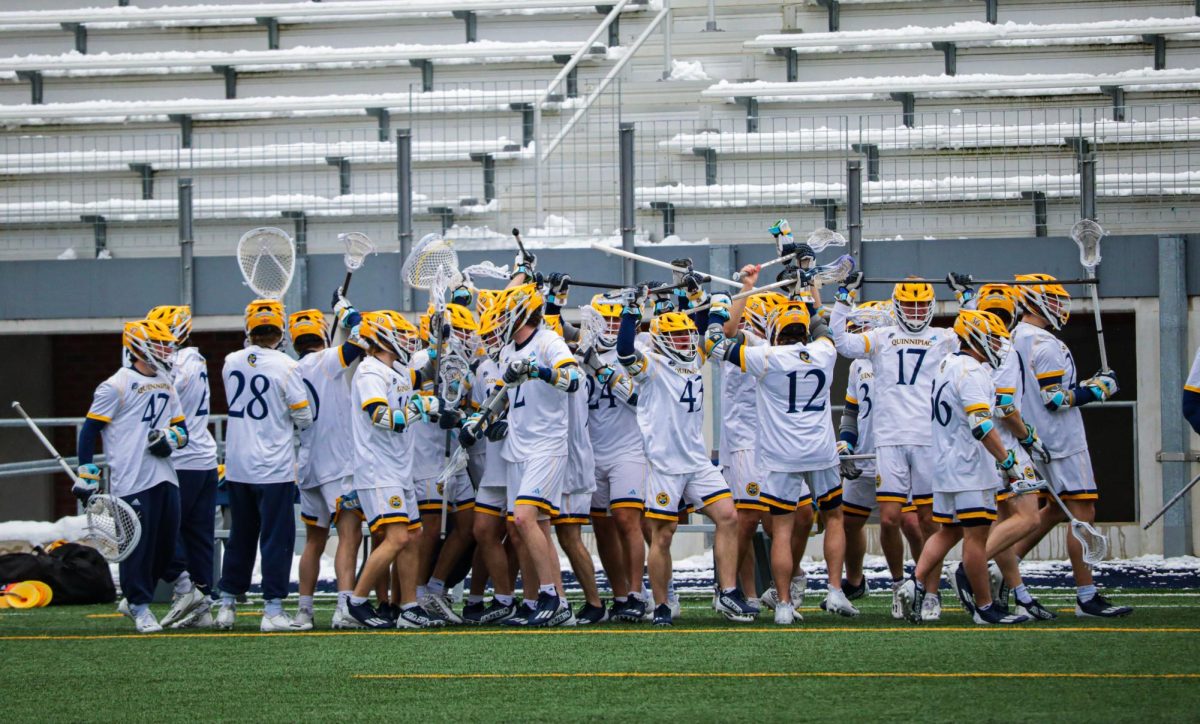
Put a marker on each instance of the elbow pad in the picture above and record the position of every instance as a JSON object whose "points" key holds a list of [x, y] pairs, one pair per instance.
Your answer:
{"points": [[981, 423], [1006, 403], [302, 417], [623, 388], [564, 378], [389, 419], [1055, 398]]}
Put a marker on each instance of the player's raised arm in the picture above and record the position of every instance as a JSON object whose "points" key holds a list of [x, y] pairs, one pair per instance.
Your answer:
{"points": [[848, 345]]}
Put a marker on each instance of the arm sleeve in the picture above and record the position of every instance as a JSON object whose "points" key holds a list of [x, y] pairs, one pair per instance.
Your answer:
{"points": [[848, 345], [87, 439], [347, 353], [848, 425], [176, 410], [626, 337], [1191, 408]]}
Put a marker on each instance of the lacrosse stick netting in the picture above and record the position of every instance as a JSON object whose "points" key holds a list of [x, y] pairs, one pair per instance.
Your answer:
{"points": [[592, 326], [823, 238], [112, 527], [455, 378], [1094, 543], [358, 247], [431, 253], [267, 258], [1087, 234]]}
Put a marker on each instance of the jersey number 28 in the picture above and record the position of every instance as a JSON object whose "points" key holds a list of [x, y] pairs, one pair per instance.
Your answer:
{"points": [[256, 408]]}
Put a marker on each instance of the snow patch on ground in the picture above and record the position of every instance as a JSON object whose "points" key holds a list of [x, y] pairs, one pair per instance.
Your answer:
{"points": [[688, 70]]}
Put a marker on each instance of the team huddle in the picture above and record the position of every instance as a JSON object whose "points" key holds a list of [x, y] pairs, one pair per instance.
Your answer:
{"points": [[466, 441]]}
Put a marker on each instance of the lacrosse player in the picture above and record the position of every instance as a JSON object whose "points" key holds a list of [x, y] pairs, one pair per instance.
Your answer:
{"points": [[1050, 400], [196, 467], [327, 494], [964, 490], [671, 417], [266, 397], [618, 503], [904, 360], [137, 414], [385, 408]]}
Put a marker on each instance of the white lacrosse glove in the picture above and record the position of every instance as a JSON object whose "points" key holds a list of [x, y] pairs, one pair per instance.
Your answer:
{"points": [[1033, 445], [519, 371], [88, 483], [425, 407], [1103, 385], [1008, 467]]}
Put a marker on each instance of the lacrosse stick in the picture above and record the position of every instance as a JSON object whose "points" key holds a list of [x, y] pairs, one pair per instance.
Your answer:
{"points": [[818, 240], [1087, 234], [1174, 499], [112, 526], [485, 270], [267, 258], [1095, 544], [613, 251], [835, 272], [455, 464], [873, 318], [1007, 282], [358, 246], [591, 325]]}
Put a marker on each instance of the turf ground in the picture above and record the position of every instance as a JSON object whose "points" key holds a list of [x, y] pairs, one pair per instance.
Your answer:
{"points": [[85, 663]]}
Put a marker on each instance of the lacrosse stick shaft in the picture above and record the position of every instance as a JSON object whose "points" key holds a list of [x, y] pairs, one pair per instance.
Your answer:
{"points": [[1095, 289], [346, 283], [520, 244], [597, 285], [445, 491], [45, 442], [748, 293], [1174, 499], [1008, 282], [737, 277], [613, 251]]}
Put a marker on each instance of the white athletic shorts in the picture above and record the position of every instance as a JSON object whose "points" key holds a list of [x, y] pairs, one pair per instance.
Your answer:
{"points": [[537, 482], [786, 492], [1072, 477], [390, 504], [667, 495], [620, 484], [858, 495], [965, 508], [321, 505], [744, 481], [576, 509], [905, 473], [429, 494], [492, 501]]}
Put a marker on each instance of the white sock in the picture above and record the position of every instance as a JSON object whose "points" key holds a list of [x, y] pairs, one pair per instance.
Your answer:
{"points": [[1023, 594], [344, 597], [800, 578], [436, 586], [1086, 593], [228, 599], [183, 584], [531, 605], [137, 609], [274, 607], [422, 591], [503, 600], [306, 604], [548, 588], [623, 599], [357, 600]]}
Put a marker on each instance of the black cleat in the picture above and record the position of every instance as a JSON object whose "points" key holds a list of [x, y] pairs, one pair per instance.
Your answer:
{"points": [[996, 616], [495, 612], [1036, 611], [588, 613], [366, 614], [853, 592], [1099, 607], [662, 616], [633, 610]]}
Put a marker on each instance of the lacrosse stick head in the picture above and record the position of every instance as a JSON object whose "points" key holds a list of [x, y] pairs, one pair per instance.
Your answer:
{"points": [[870, 315], [438, 287], [834, 272], [593, 327], [113, 527], [431, 253], [1095, 543], [358, 246], [485, 270], [454, 376], [823, 238], [455, 465], [1087, 234], [267, 258]]}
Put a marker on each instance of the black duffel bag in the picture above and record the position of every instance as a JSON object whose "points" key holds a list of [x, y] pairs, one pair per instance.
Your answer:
{"points": [[75, 573]]}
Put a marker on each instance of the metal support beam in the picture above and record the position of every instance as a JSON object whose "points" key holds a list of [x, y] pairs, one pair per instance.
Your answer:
{"points": [[1172, 335], [710, 164], [835, 13], [99, 232], [1117, 94], [628, 211], [1081, 145], [950, 51], [404, 224], [187, 267], [298, 293], [446, 214], [572, 76], [1087, 186], [1039, 211], [871, 151], [489, 174], [526, 110], [272, 25], [469, 23], [710, 25], [80, 31], [343, 166], [35, 84], [854, 207], [751, 105], [829, 206], [384, 118], [230, 75], [992, 11], [146, 171], [908, 106], [426, 67], [668, 215], [793, 64], [1159, 42], [185, 128]]}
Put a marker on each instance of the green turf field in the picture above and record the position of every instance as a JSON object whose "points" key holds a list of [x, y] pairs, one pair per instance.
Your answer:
{"points": [[71, 664]]}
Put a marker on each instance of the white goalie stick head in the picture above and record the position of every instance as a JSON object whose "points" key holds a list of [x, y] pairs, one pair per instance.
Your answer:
{"points": [[358, 246], [454, 376], [1087, 234], [823, 238], [1094, 543], [871, 315], [834, 272], [431, 253], [592, 327], [455, 465], [113, 527], [267, 258], [485, 270]]}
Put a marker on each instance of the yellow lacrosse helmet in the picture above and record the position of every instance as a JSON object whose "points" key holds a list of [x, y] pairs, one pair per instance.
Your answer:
{"points": [[758, 310], [305, 322], [788, 314], [1001, 300], [674, 335], [913, 304], [391, 332], [610, 311], [490, 338], [264, 313], [554, 323], [984, 333], [462, 318], [485, 299], [516, 306], [1050, 301], [178, 319], [150, 341]]}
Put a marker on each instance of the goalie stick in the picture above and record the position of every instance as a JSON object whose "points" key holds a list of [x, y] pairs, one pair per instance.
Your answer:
{"points": [[1174, 499], [613, 251], [818, 241], [358, 246]]}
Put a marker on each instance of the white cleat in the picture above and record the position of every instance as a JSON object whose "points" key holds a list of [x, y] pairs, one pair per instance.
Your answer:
{"points": [[836, 603], [123, 608], [798, 588], [440, 606], [198, 618], [770, 598], [226, 616], [342, 618], [302, 621], [902, 597], [274, 624], [146, 623], [786, 614], [182, 605], [996, 581], [931, 607], [673, 604]]}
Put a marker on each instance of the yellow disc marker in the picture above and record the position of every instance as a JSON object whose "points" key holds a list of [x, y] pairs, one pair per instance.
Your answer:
{"points": [[44, 590], [3, 599], [22, 595]]}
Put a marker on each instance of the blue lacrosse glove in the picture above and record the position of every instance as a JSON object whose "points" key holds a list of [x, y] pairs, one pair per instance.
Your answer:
{"points": [[350, 501], [1033, 445], [1103, 385], [88, 483], [425, 407], [471, 430], [960, 284], [1008, 467], [849, 287], [719, 312]]}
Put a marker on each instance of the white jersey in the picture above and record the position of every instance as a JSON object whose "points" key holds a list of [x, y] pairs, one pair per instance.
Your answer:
{"points": [[860, 384], [189, 374], [904, 365], [963, 385], [739, 420], [131, 405], [1192, 383], [382, 458], [612, 422], [671, 415], [326, 451], [537, 411], [1044, 359], [795, 430], [581, 463], [1007, 380], [487, 379], [262, 387]]}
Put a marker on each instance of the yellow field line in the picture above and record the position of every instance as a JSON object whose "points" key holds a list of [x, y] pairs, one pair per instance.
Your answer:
{"points": [[795, 630], [781, 675]]}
